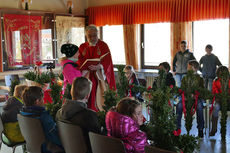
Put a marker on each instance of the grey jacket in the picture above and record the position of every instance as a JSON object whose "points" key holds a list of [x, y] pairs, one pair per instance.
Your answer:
{"points": [[208, 65], [77, 113], [180, 61]]}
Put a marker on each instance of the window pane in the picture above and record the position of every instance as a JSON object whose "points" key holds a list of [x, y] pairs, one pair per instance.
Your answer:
{"points": [[47, 51], [17, 47], [214, 32], [157, 43], [113, 36]]}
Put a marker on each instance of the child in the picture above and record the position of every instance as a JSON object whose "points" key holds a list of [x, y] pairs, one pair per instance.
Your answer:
{"points": [[208, 64], [216, 88], [76, 111], [33, 107], [132, 79], [180, 62], [169, 77], [70, 68], [197, 82], [124, 123], [11, 108]]}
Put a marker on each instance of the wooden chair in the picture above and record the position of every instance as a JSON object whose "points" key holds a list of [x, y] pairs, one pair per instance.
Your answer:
{"points": [[33, 133], [105, 144], [142, 82], [151, 149], [71, 137], [6, 141]]}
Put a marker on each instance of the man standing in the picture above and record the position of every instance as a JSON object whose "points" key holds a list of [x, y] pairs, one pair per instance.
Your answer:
{"points": [[180, 62], [100, 73], [208, 64]]}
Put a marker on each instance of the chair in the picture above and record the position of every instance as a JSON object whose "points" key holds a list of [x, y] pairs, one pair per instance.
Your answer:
{"points": [[105, 144], [71, 137], [151, 149], [6, 141], [142, 82], [32, 131]]}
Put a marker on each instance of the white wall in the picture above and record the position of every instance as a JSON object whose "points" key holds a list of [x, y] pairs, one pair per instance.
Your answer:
{"points": [[57, 6]]}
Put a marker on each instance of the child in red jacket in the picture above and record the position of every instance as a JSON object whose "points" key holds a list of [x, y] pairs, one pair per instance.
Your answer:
{"points": [[216, 88]]}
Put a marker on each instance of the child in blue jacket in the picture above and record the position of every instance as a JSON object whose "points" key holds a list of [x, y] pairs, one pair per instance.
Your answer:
{"points": [[33, 107]]}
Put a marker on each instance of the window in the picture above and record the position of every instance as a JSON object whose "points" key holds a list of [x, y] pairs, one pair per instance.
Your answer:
{"points": [[156, 44], [69, 30], [47, 51], [17, 47], [216, 33], [113, 36]]}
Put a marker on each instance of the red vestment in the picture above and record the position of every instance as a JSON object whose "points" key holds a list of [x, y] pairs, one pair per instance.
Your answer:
{"points": [[88, 52]]}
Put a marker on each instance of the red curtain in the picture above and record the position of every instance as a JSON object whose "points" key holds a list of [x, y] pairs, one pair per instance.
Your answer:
{"points": [[30, 38], [158, 11]]}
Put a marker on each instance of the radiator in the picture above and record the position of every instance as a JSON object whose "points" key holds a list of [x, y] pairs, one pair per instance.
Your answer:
{"points": [[150, 80]]}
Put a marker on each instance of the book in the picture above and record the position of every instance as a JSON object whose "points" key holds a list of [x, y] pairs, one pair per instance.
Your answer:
{"points": [[92, 61]]}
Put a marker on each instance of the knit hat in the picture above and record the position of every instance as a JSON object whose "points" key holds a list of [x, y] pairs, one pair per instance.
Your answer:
{"points": [[69, 50]]}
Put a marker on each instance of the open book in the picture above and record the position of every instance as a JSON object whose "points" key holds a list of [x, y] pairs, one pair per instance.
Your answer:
{"points": [[92, 61]]}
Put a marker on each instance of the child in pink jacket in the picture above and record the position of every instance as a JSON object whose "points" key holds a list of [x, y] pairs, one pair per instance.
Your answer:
{"points": [[70, 68], [124, 122]]}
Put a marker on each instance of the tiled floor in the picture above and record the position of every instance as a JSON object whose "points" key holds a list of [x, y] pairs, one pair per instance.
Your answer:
{"points": [[6, 149]]}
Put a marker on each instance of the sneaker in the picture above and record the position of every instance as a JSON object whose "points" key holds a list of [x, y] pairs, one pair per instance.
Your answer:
{"points": [[200, 134]]}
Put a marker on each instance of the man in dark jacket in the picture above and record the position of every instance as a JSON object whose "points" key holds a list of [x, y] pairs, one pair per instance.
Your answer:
{"points": [[208, 65], [76, 112], [180, 62]]}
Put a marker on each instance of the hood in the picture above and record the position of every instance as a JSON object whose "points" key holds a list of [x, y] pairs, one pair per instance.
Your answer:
{"points": [[11, 103], [65, 60], [70, 108]]}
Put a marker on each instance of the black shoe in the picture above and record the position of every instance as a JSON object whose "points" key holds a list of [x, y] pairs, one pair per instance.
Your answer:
{"points": [[212, 133], [200, 134]]}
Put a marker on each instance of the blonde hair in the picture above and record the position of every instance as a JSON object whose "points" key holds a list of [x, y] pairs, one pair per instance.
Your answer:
{"points": [[81, 87], [18, 90]]}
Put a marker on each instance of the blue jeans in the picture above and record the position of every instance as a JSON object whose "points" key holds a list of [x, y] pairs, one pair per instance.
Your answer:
{"points": [[208, 83], [199, 114], [216, 109], [178, 78]]}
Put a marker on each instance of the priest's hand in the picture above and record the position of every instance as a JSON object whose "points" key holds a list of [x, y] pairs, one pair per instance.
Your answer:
{"points": [[95, 67]]}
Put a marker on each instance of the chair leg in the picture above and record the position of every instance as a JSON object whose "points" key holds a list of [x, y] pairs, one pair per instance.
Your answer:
{"points": [[14, 147], [24, 148]]}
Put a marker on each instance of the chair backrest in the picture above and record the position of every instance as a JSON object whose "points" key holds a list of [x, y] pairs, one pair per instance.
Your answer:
{"points": [[32, 132], [151, 149], [142, 82], [105, 144], [71, 137]]}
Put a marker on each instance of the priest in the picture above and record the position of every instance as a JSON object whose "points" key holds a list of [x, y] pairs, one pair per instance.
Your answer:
{"points": [[101, 74]]}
